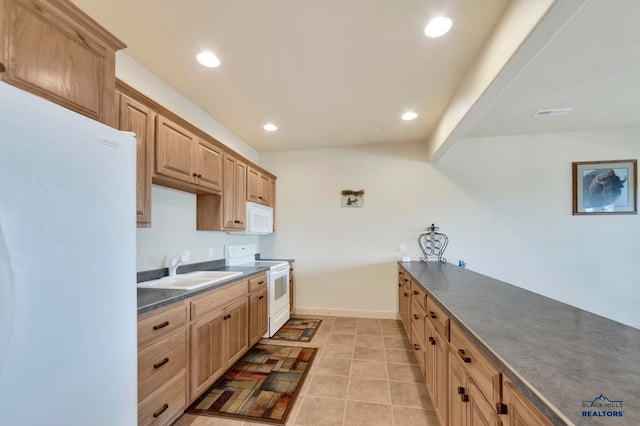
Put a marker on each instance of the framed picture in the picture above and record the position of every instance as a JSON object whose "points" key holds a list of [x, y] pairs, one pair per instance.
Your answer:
{"points": [[352, 198], [605, 187]]}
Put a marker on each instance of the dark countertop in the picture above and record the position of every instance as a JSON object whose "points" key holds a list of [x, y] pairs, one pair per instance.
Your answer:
{"points": [[150, 299], [556, 354]]}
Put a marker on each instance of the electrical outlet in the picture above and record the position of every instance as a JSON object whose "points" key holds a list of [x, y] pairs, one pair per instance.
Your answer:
{"points": [[186, 256], [210, 252]]}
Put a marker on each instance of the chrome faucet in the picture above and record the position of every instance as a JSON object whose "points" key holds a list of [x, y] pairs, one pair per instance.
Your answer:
{"points": [[173, 264]]}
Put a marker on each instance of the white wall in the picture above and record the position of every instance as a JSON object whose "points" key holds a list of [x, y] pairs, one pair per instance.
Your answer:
{"points": [[174, 212], [505, 203], [174, 230]]}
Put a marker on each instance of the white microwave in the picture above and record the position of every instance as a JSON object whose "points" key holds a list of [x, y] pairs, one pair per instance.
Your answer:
{"points": [[259, 219]]}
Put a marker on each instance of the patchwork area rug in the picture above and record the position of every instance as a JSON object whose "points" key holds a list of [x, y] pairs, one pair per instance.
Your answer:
{"points": [[298, 330], [261, 387]]}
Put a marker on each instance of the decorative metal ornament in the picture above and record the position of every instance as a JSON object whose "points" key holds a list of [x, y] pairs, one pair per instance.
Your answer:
{"points": [[433, 244]]}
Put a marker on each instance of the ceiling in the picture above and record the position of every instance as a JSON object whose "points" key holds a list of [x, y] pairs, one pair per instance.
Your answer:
{"points": [[335, 72]]}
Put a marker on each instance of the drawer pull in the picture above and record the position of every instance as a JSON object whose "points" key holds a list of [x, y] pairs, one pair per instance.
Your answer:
{"points": [[261, 297], [225, 317], [432, 340], [160, 411], [261, 282], [399, 284], [464, 398], [416, 347], [406, 280], [159, 326], [415, 316], [161, 363], [463, 356], [415, 292], [433, 315], [460, 390], [194, 174], [406, 295], [501, 408]]}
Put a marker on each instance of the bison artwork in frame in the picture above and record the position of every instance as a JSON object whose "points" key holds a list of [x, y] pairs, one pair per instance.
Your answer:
{"points": [[605, 187]]}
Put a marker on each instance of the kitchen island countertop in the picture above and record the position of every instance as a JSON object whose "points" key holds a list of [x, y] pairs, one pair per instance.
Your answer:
{"points": [[559, 356]]}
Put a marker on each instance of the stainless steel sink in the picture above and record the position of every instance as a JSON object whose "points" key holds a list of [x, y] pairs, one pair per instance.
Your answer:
{"points": [[190, 281]]}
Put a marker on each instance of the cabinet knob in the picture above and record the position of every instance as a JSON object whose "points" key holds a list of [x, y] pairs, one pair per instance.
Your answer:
{"points": [[501, 408], [161, 363], [194, 174], [460, 390], [199, 175], [259, 198], [415, 316], [399, 284], [406, 294], [432, 340], [160, 411], [416, 347], [463, 356], [433, 315], [464, 398], [415, 292]]}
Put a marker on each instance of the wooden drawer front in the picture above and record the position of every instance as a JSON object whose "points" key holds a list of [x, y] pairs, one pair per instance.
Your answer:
{"points": [[165, 404], [204, 304], [161, 361], [482, 371], [155, 325], [418, 318], [257, 283], [418, 294], [439, 319]]}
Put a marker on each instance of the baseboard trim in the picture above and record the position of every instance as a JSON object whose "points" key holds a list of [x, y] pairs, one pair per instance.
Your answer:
{"points": [[334, 312]]}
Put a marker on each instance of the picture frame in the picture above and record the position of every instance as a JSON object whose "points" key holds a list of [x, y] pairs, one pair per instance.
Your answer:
{"points": [[351, 198], [605, 187]]}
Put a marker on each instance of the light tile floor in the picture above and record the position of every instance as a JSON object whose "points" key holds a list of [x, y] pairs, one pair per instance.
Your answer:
{"points": [[365, 373]]}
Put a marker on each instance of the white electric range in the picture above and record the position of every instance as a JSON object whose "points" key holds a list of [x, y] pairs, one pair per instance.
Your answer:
{"points": [[277, 282]]}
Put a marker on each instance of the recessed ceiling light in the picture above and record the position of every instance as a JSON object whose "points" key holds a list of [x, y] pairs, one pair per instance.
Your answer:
{"points": [[438, 26], [270, 127], [409, 115], [208, 59]]}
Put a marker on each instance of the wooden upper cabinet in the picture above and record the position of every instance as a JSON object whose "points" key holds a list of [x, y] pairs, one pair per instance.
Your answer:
{"points": [[54, 50], [187, 159], [254, 185], [208, 162], [260, 187], [174, 151], [234, 193], [139, 119]]}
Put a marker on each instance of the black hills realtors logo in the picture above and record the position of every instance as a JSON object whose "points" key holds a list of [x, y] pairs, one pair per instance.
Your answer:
{"points": [[601, 406]]}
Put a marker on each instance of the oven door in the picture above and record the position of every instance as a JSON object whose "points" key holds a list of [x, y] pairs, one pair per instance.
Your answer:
{"points": [[278, 289]]}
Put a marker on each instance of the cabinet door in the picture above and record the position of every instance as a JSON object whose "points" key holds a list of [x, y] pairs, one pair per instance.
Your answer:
{"points": [[458, 393], [208, 162], [207, 352], [253, 185], [241, 194], [54, 50], [236, 329], [258, 315], [234, 193], [441, 376], [265, 190], [174, 151], [520, 412], [139, 119], [481, 413]]}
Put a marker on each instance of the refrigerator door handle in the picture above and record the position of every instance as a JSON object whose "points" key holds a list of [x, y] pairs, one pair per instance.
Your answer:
{"points": [[7, 301]]}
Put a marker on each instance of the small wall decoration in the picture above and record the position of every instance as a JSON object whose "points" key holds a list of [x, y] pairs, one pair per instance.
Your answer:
{"points": [[605, 187], [352, 198]]}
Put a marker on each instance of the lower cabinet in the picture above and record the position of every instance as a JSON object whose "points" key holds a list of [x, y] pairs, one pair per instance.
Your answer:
{"points": [[466, 387], [162, 365], [258, 308], [519, 411], [219, 337]]}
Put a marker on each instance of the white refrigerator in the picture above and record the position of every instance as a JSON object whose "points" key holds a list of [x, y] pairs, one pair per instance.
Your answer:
{"points": [[67, 267]]}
